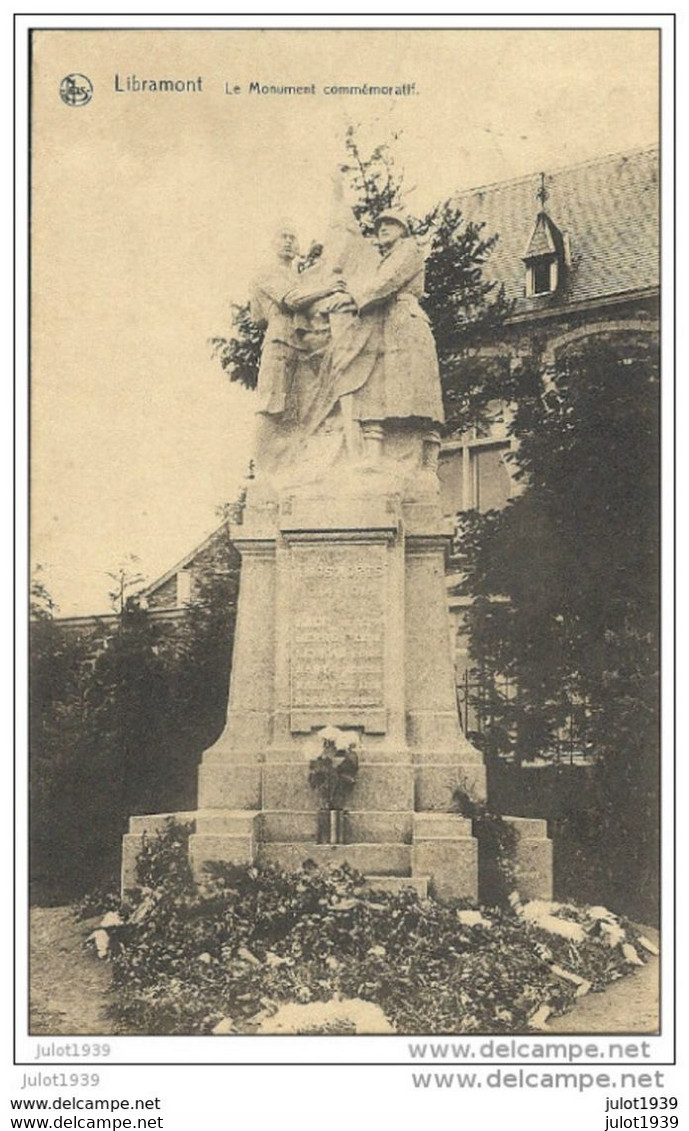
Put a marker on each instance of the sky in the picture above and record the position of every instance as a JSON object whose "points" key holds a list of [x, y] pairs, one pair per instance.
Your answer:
{"points": [[151, 213]]}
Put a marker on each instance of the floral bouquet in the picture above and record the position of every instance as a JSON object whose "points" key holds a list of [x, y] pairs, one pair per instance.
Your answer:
{"points": [[334, 771]]}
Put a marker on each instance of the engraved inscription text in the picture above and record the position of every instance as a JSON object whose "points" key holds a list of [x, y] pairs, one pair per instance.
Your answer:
{"points": [[337, 644]]}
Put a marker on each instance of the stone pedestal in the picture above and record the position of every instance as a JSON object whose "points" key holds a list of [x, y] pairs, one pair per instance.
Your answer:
{"points": [[533, 858], [342, 621], [446, 850]]}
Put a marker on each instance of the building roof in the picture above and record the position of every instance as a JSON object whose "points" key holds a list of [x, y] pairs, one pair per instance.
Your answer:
{"points": [[607, 209], [545, 239], [188, 560]]}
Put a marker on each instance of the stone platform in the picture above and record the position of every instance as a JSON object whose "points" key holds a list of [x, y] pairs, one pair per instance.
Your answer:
{"points": [[342, 621], [429, 851]]}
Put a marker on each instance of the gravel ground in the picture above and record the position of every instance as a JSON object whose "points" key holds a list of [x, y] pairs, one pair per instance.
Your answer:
{"points": [[628, 1006], [70, 987]]}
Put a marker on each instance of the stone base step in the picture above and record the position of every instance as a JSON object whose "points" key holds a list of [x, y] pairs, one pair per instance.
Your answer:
{"points": [[151, 824], [235, 822], [370, 859], [360, 827], [440, 826], [223, 847], [452, 864], [428, 850], [533, 857], [396, 884]]}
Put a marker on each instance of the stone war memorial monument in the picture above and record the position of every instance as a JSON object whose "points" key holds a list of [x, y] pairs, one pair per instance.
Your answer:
{"points": [[342, 653]]}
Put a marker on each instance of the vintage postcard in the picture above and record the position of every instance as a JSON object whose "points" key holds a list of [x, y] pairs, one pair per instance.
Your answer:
{"points": [[345, 499]]}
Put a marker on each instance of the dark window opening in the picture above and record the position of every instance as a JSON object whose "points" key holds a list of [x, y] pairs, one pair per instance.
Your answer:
{"points": [[541, 276]]}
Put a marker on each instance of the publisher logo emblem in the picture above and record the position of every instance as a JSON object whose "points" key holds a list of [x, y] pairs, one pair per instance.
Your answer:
{"points": [[76, 90]]}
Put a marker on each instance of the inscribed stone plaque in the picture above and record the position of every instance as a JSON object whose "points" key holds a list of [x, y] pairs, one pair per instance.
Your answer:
{"points": [[337, 633]]}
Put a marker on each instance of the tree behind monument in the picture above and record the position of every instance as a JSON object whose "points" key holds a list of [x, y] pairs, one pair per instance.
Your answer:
{"points": [[577, 557]]}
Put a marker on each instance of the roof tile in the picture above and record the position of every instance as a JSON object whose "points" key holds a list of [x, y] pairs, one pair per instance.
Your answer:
{"points": [[609, 210]]}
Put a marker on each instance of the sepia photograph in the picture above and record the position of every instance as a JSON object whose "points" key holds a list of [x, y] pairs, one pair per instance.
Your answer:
{"points": [[344, 687]]}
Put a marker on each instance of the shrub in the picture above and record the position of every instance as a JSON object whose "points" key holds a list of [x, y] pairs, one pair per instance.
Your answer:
{"points": [[497, 848], [252, 937]]}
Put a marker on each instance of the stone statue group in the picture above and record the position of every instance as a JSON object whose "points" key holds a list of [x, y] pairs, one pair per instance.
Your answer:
{"points": [[349, 370]]}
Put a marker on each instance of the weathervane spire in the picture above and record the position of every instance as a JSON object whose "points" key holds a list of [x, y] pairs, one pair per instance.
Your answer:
{"points": [[542, 194]]}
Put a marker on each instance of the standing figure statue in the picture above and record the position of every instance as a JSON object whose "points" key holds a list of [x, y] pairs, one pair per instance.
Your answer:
{"points": [[381, 368], [348, 353], [296, 335]]}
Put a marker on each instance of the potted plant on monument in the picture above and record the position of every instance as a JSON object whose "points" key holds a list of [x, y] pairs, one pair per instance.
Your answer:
{"points": [[333, 773]]}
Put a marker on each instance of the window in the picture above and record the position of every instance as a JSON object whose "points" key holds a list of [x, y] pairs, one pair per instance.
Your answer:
{"points": [[546, 257], [541, 276], [492, 482], [474, 475]]}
